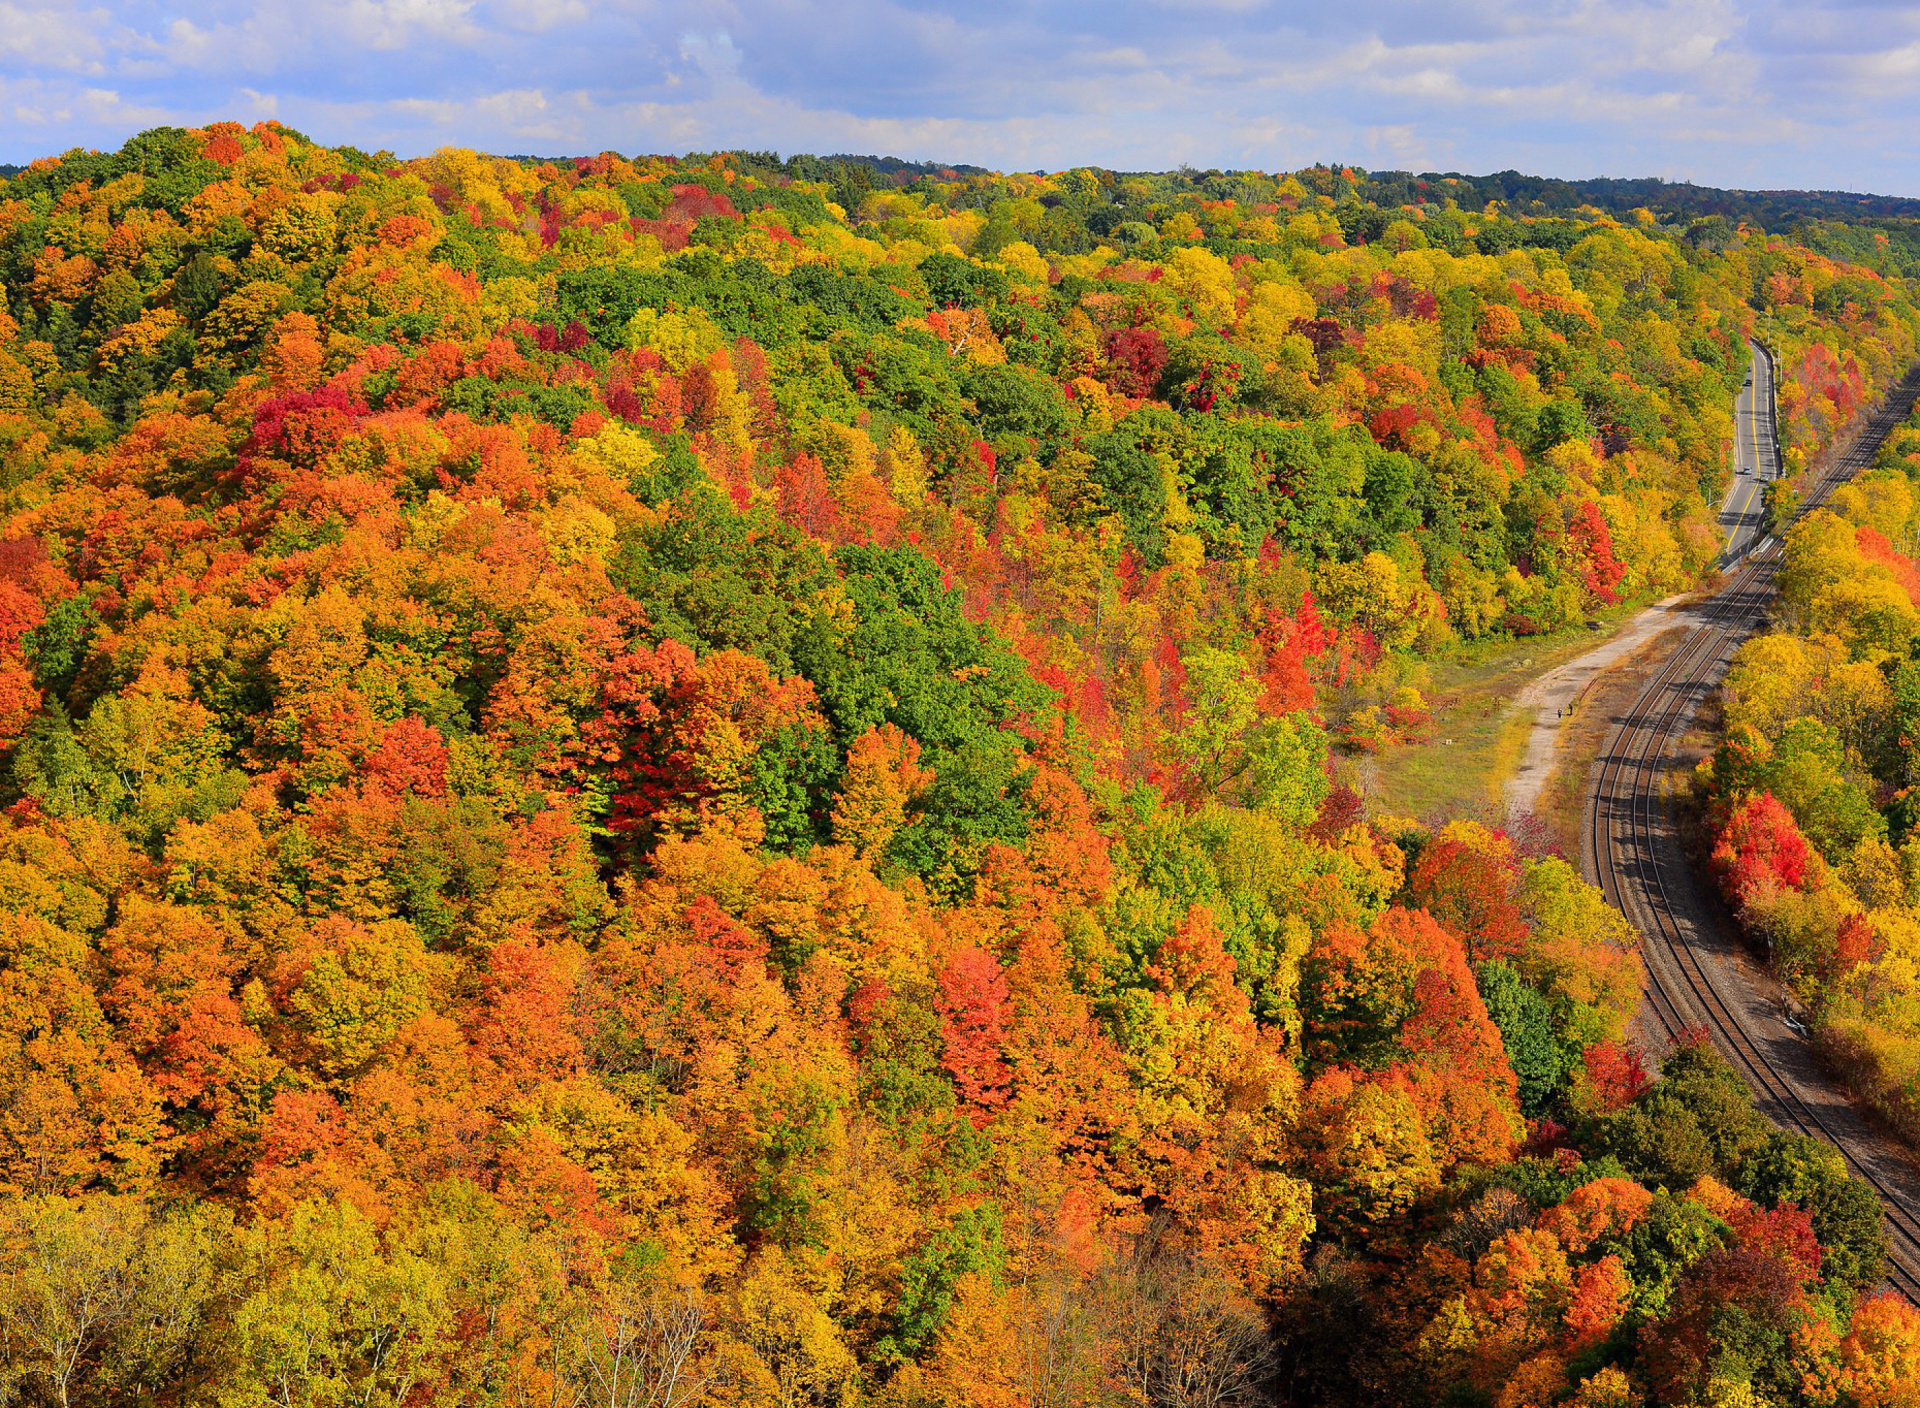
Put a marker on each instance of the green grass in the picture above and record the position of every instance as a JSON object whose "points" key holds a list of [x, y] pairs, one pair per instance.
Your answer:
{"points": [[1476, 739]]}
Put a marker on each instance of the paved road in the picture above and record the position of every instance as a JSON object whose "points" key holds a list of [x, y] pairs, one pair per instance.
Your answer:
{"points": [[1699, 975], [1755, 459]]}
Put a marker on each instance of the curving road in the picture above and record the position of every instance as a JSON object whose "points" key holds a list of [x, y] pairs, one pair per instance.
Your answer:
{"points": [[1698, 976]]}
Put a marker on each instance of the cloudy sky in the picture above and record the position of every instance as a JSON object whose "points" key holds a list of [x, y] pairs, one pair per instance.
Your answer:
{"points": [[1812, 93]]}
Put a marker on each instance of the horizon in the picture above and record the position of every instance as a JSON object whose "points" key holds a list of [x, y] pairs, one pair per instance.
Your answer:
{"points": [[939, 162], [1757, 97]]}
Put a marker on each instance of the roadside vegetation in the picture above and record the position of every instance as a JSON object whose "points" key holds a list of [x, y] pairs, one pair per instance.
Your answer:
{"points": [[1813, 784]]}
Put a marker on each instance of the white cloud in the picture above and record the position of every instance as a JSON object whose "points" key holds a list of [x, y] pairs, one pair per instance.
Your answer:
{"points": [[1889, 72], [393, 24], [539, 16], [53, 36], [220, 48], [55, 110]]}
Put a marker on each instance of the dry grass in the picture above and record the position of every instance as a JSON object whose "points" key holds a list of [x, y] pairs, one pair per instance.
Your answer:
{"points": [[1476, 739]]}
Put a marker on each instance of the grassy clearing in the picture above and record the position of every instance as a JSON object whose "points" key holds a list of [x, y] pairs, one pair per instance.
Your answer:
{"points": [[1476, 739]]}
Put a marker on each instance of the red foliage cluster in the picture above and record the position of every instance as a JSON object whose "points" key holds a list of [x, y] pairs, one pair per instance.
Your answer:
{"points": [[1592, 547], [1874, 547], [1611, 1077], [1475, 892], [1135, 359], [974, 1006], [1760, 849]]}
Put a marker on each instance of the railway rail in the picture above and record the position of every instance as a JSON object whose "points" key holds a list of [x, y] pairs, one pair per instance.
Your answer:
{"points": [[1631, 848]]}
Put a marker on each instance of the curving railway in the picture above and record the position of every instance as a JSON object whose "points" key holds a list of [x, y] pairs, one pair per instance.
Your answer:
{"points": [[1631, 846]]}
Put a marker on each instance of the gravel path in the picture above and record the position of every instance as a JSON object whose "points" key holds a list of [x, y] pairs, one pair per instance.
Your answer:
{"points": [[1550, 696]]}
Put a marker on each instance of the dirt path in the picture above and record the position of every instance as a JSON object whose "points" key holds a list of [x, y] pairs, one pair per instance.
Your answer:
{"points": [[1550, 697]]}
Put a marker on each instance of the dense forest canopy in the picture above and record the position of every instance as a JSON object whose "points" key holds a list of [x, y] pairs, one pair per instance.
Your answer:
{"points": [[712, 779]]}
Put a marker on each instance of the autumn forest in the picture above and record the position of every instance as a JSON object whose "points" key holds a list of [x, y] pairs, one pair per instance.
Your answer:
{"points": [[733, 781]]}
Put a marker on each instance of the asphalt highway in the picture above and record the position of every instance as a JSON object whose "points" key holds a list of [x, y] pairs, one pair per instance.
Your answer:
{"points": [[1699, 974], [1754, 458]]}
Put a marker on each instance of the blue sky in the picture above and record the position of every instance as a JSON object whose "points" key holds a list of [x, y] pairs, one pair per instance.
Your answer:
{"points": [[1811, 93]]}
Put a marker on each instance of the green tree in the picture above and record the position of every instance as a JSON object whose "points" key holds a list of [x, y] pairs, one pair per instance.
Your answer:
{"points": [[912, 659], [1698, 1120], [1810, 1174], [969, 1245], [1234, 753], [1526, 1028], [1675, 1233]]}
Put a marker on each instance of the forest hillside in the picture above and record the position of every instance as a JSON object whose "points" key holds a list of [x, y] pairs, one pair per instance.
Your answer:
{"points": [[712, 780]]}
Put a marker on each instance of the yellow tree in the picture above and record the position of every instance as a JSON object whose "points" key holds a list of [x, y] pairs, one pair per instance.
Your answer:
{"points": [[882, 782]]}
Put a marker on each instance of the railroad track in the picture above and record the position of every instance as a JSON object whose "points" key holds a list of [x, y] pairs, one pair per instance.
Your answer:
{"points": [[1696, 979]]}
